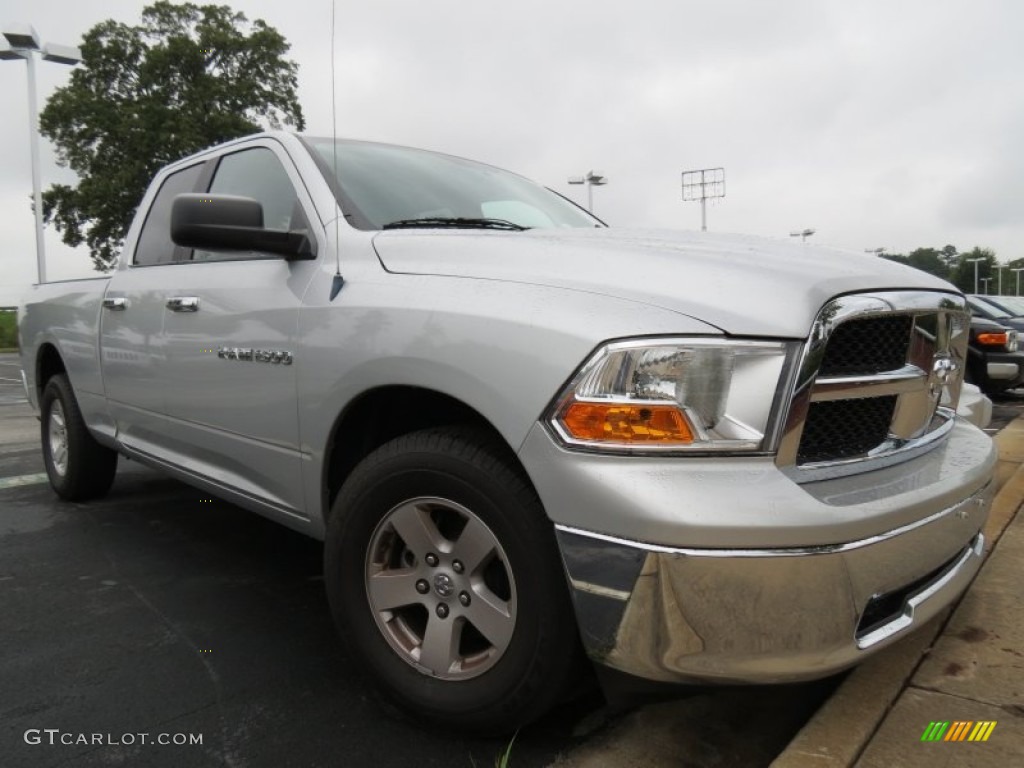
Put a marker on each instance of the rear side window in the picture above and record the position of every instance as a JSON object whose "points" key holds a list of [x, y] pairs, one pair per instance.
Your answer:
{"points": [[155, 246]]}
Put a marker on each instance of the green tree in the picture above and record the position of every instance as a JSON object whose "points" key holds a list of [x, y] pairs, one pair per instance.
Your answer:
{"points": [[949, 254], [962, 275], [187, 77], [928, 260]]}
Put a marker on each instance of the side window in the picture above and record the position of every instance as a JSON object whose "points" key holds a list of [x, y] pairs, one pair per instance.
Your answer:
{"points": [[257, 173], [155, 246]]}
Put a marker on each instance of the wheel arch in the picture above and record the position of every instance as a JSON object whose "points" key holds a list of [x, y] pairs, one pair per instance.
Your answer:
{"points": [[49, 363], [383, 413]]}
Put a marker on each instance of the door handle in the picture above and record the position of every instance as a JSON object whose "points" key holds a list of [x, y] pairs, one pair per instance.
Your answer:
{"points": [[116, 304], [183, 304]]}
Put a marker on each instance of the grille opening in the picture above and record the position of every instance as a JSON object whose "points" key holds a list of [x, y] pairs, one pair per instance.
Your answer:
{"points": [[842, 429], [887, 607], [868, 346]]}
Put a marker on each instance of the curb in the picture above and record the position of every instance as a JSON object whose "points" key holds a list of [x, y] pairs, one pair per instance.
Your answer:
{"points": [[839, 732]]}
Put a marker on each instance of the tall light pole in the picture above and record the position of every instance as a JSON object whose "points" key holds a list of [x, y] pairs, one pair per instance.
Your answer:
{"points": [[876, 251], [999, 290], [22, 42], [703, 185], [592, 179], [986, 281], [976, 272], [1018, 271], [803, 234]]}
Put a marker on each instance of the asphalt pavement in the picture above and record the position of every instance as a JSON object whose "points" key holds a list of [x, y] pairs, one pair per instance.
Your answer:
{"points": [[158, 610], [161, 611]]}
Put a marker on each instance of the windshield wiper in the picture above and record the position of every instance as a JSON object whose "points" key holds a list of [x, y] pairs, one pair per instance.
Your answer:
{"points": [[444, 222]]}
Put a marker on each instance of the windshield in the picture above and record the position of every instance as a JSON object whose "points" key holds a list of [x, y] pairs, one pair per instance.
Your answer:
{"points": [[1012, 304], [986, 308], [382, 186]]}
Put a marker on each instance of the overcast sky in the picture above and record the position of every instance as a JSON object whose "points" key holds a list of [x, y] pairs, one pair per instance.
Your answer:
{"points": [[880, 123]]}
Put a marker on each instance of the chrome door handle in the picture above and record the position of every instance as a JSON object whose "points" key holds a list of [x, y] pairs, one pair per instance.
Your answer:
{"points": [[183, 304], [117, 304]]}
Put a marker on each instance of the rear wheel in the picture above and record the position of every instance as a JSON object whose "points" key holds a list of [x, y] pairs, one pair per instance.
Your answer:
{"points": [[444, 578], [79, 468]]}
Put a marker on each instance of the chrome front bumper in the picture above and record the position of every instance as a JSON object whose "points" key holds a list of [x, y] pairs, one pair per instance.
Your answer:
{"points": [[773, 616], [742, 613]]}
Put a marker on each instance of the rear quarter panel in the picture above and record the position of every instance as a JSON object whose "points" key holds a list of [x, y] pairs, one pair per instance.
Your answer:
{"points": [[65, 314]]}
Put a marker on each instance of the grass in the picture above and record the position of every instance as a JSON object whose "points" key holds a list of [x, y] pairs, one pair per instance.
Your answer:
{"points": [[8, 331], [502, 760]]}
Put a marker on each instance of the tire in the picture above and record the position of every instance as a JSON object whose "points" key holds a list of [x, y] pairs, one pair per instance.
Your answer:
{"points": [[474, 630], [79, 468]]}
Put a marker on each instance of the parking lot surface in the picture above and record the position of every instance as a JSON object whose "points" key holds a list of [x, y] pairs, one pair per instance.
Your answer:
{"points": [[161, 611]]}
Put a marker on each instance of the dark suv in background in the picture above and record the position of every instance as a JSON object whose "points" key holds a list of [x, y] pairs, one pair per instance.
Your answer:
{"points": [[993, 360]]}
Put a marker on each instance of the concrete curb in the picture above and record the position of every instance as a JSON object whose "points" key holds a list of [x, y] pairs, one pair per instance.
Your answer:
{"points": [[843, 727]]}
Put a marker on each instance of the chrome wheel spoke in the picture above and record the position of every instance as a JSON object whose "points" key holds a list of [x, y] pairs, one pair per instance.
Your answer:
{"points": [[393, 589], [440, 648], [58, 438], [474, 546], [492, 618], [413, 524]]}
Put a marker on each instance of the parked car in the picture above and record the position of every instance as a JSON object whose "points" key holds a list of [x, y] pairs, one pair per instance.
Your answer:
{"points": [[520, 433], [1012, 305], [982, 306], [994, 361]]}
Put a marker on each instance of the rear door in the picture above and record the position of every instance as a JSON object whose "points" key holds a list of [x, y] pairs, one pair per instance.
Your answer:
{"points": [[131, 322], [230, 346]]}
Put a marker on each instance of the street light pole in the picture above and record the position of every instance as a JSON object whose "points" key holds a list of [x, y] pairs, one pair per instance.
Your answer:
{"points": [[37, 185], [702, 185], [803, 234], [1018, 271], [976, 273], [999, 290], [592, 179], [22, 42], [986, 281]]}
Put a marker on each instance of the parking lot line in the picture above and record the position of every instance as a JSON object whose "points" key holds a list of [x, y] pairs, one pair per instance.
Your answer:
{"points": [[19, 480]]}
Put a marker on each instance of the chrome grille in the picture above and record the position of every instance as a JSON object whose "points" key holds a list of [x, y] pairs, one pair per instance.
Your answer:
{"points": [[840, 429], [868, 345], [879, 383]]}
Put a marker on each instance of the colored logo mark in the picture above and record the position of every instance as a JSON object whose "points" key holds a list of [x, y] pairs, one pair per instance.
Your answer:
{"points": [[959, 730]]}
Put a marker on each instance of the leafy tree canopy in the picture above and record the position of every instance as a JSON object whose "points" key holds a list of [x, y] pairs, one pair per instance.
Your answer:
{"points": [[926, 259], [958, 268], [962, 273], [187, 77]]}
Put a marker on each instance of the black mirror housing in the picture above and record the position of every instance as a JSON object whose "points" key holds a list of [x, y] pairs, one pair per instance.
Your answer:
{"points": [[231, 223]]}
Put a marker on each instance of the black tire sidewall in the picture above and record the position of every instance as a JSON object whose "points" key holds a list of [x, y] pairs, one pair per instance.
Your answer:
{"points": [[56, 391], [538, 646], [91, 466]]}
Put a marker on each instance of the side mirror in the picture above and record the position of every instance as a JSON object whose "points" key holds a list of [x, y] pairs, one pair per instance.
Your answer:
{"points": [[232, 223]]}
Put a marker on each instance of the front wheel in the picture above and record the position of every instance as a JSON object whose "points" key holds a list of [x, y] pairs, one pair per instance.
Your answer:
{"points": [[444, 577], [79, 468]]}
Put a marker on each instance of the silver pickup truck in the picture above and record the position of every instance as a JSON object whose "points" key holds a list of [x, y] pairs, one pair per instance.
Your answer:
{"points": [[523, 435]]}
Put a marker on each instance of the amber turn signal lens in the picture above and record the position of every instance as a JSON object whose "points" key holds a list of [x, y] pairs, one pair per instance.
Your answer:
{"points": [[993, 339], [618, 423]]}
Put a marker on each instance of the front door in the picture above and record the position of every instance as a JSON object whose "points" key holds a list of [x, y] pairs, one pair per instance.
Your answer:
{"points": [[230, 346]]}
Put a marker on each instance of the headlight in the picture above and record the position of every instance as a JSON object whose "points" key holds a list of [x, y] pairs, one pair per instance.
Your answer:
{"points": [[675, 395]]}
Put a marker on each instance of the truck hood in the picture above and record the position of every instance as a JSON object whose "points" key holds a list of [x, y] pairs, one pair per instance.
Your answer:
{"points": [[744, 285]]}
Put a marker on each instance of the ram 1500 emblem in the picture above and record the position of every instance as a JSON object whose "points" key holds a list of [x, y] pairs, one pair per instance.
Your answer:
{"points": [[279, 356]]}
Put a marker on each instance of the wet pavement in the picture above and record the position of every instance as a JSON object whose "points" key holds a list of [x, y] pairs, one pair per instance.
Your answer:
{"points": [[161, 611]]}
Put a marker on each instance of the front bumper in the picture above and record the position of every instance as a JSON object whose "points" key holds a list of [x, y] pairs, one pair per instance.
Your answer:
{"points": [[781, 600]]}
